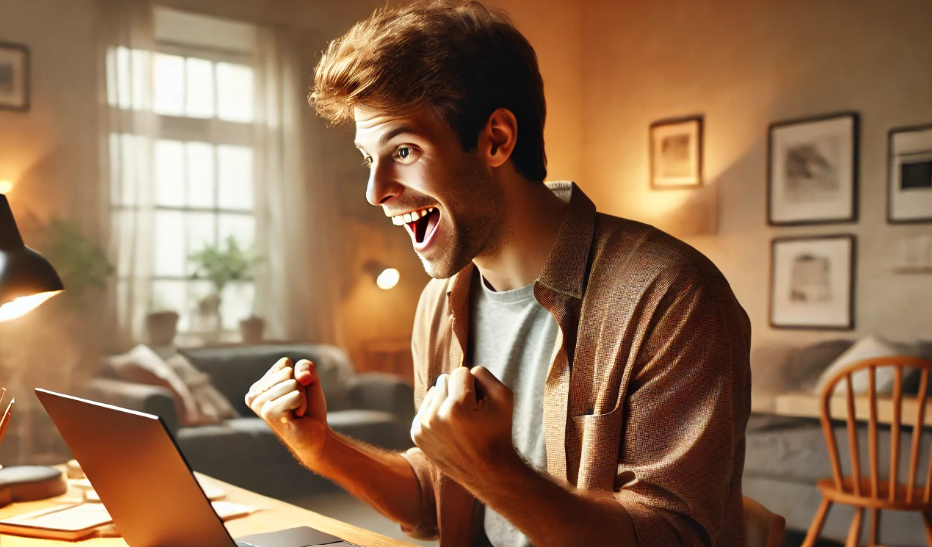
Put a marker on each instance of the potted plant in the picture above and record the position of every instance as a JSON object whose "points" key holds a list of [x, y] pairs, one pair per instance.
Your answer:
{"points": [[251, 329], [161, 324], [220, 266]]}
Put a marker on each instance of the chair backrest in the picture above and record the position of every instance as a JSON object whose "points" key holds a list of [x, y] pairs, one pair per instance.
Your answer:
{"points": [[871, 486], [763, 528]]}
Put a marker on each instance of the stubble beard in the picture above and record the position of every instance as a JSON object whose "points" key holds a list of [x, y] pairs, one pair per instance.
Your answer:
{"points": [[478, 203]]}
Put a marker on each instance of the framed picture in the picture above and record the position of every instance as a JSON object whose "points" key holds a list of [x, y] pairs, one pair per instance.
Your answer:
{"points": [[676, 153], [812, 282], [14, 77], [909, 175], [813, 171]]}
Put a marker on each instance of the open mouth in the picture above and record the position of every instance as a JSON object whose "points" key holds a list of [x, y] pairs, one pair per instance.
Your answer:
{"points": [[421, 223]]}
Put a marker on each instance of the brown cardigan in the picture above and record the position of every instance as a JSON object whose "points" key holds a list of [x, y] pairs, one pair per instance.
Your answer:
{"points": [[648, 394]]}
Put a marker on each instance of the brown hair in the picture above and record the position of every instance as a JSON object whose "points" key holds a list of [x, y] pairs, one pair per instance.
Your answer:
{"points": [[459, 61]]}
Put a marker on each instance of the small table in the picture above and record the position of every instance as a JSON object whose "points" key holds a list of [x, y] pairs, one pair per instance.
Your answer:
{"points": [[272, 515]]}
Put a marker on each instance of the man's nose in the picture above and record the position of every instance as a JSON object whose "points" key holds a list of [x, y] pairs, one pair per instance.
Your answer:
{"points": [[381, 187]]}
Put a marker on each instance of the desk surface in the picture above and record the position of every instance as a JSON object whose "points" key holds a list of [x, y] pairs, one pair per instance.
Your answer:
{"points": [[808, 405], [273, 515]]}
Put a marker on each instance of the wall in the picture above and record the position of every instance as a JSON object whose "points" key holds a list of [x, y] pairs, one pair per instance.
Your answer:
{"points": [[744, 65], [50, 152]]}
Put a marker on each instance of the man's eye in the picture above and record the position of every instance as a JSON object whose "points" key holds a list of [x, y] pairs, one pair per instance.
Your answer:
{"points": [[404, 154]]}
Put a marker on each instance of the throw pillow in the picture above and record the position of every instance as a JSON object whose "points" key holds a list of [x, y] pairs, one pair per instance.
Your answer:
{"points": [[869, 347], [142, 365], [212, 405]]}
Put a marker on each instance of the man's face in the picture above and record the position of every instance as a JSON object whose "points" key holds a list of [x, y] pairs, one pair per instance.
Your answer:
{"points": [[445, 198]]}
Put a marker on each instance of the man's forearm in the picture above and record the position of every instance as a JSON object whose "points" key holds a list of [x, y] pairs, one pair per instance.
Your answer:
{"points": [[383, 479], [550, 514]]}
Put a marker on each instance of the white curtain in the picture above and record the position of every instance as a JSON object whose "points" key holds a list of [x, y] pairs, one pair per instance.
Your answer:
{"points": [[298, 289], [127, 129]]}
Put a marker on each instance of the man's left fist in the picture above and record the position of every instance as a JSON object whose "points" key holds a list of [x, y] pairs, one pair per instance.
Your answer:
{"points": [[462, 435]]}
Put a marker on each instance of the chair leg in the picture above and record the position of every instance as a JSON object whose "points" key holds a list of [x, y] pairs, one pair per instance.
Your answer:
{"points": [[928, 525], [875, 527], [854, 533], [816, 527]]}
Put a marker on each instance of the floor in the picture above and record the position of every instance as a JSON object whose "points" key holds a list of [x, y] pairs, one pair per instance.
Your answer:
{"points": [[342, 506]]}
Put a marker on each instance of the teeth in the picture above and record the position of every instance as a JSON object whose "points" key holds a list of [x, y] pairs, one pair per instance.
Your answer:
{"points": [[411, 217]]}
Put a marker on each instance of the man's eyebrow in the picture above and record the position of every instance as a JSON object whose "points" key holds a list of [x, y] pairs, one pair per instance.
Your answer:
{"points": [[389, 135]]}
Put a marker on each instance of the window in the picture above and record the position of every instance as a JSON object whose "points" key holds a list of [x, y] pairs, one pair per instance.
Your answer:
{"points": [[192, 170]]}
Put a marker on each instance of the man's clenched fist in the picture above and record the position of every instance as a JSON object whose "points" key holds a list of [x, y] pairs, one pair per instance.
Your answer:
{"points": [[466, 437], [289, 398]]}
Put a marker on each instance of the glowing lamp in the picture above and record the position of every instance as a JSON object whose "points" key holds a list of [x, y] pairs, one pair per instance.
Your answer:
{"points": [[385, 277], [26, 277]]}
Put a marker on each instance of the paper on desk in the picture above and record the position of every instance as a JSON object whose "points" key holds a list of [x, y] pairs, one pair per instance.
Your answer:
{"points": [[212, 492], [71, 518], [68, 518]]}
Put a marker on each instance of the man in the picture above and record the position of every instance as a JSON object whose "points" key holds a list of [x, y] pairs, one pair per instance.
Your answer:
{"points": [[606, 383]]}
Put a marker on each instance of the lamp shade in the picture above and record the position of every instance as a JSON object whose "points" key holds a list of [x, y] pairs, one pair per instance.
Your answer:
{"points": [[26, 277]]}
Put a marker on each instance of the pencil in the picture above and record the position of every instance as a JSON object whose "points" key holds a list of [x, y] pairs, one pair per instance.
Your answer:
{"points": [[7, 418]]}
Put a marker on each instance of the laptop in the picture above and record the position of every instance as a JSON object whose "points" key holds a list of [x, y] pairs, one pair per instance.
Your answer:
{"points": [[146, 484]]}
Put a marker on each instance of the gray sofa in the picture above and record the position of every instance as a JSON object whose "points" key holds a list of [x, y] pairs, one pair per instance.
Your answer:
{"points": [[372, 407], [786, 456]]}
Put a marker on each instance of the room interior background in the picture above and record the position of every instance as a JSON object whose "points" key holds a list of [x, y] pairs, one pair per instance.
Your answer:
{"points": [[610, 70]]}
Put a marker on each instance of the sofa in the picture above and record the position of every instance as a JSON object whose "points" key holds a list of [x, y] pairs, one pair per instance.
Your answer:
{"points": [[373, 407], [786, 456]]}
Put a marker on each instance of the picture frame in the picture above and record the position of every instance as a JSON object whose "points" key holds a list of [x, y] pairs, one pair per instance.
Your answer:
{"points": [[14, 77], [812, 282], [676, 153], [909, 175], [812, 170]]}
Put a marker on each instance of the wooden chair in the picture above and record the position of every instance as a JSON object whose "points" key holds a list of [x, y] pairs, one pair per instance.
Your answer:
{"points": [[763, 528], [870, 492]]}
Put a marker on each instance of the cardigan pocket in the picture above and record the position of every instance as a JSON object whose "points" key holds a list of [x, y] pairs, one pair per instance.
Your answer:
{"points": [[593, 446]]}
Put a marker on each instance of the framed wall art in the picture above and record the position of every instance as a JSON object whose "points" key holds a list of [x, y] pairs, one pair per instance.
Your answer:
{"points": [[676, 153], [813, 171], [812, 282], [909, 175], [14, 77]]}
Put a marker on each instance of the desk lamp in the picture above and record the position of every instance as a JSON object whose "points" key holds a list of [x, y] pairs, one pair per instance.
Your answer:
{"points": [[26, 281]]}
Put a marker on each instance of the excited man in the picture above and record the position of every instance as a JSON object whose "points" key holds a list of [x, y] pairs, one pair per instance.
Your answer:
{"points": [[580, 379]]}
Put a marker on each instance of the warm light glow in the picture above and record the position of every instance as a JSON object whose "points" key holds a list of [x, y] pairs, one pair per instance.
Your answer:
{"points": [[24, 304], [388, 278], [5, 186]]}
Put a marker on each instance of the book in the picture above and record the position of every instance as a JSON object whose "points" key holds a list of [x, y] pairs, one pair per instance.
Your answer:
{"points": [[69, 523], [75, 522]]}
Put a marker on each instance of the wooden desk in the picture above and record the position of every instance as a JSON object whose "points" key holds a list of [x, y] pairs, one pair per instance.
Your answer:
{"points": [[272, 515]]}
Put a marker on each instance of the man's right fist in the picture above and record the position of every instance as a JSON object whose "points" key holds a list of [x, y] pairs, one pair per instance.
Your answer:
{"points": [[289, 398]]}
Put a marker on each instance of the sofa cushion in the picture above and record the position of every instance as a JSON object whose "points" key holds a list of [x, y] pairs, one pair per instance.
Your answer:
{"points": [[794, 449], [780, 368], [142, 365], [250, 441], [233, 370], [869, 347]]}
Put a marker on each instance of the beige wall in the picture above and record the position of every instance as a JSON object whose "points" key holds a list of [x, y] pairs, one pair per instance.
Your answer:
{"points": [[610, 69], [744, 65], [50, 152]]}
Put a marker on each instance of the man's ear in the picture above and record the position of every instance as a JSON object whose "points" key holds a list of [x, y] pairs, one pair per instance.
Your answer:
{"points": [[497, 139]]}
